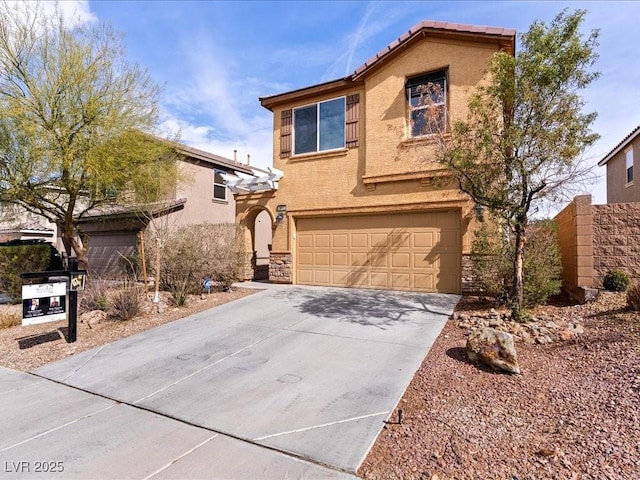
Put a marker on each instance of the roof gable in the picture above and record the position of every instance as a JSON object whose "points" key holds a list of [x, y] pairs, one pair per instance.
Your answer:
{"points": [[503, 37]]}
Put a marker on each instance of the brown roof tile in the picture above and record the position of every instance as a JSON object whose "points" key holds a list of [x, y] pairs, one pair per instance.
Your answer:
{"points": [[434, 26]]}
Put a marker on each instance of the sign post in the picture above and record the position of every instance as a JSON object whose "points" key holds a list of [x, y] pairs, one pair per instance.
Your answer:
{"points": [[46, 302]]}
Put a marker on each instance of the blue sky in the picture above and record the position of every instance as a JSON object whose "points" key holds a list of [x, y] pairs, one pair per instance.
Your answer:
{"points": [[215, 59]]}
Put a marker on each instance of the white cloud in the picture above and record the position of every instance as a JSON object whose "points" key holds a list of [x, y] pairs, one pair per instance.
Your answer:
{"points": [[74, 12]]}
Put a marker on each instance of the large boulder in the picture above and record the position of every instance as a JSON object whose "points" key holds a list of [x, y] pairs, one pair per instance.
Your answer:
{"points": [[493, 348]]}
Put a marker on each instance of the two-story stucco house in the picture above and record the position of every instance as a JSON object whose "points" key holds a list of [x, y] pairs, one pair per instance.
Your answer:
{"points": [[622, 182], [362, 203], [113, 231]]}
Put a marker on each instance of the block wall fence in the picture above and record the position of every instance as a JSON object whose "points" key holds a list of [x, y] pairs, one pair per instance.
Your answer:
{"points": [[595, 239]]}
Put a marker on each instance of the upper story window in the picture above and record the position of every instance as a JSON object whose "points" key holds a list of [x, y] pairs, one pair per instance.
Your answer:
{"points": [[427, 98], [629, 164], [319, 127], [219, 187]]}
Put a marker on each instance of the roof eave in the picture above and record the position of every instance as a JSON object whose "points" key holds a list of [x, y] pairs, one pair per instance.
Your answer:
{"points": [[620, 146], [271, 101], [212, 158]]}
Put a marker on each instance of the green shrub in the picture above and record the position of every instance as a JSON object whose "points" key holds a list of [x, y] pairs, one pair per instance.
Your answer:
{"points": [[16, 259], [194, 252], [616, 281], [492, 258], [633, 297]]}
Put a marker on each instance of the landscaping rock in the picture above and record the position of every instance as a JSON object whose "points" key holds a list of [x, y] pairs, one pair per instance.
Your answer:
{"points": [[493, 348]]}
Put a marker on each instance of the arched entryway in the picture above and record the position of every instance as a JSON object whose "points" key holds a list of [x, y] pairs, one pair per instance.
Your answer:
{"points": [[259, 223]]}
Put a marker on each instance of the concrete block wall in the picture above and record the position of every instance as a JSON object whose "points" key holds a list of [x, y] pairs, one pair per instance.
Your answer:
{"points": [[616, 239], [595, 239]]}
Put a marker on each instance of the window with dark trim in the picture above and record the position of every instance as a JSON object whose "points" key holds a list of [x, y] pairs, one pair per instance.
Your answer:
{"points": [[629, 164], [319, 127], [219, 187], [427, 102]]}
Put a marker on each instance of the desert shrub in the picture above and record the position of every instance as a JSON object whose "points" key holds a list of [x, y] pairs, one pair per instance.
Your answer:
{"points": [[95, 295], [633, 297], [616, 281], [124, 302], [492, 258], [15, 259], [194, 252], [9, 319]]}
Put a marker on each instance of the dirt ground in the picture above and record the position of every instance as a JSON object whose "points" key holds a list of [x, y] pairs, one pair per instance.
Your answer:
{"points": [[29, 347], [573, 413]]}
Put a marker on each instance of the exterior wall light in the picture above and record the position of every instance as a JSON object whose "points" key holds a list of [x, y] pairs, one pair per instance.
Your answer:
{"points": [[281, 213]]}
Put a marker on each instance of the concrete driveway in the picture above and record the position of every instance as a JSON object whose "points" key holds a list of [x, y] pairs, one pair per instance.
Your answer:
{"points": [[290, 382]]}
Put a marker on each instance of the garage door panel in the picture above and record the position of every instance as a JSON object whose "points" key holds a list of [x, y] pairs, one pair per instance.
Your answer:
{"points": [[400, 281], [408, 251], [322, 277], [305, 259], [400, 240], [359, 258], [380, 280], [423, 240], [305, 276], [340, 259], [378, 239], [340, 278], [422, 261], [322, 240], [424, 282], [305, 240], [340, 240], [359, 279], [359, 240], [322, 259], [379, 260], [400, 260]]}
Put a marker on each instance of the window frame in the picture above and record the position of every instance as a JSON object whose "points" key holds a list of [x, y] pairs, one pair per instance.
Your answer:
{"points": [[217, 171], [318, 124], [413, 82], [628, 171]]}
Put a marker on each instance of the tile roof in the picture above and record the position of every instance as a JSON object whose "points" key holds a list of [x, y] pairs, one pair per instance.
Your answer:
{"points": [[507, 34], [625, 141], [434, 26]]}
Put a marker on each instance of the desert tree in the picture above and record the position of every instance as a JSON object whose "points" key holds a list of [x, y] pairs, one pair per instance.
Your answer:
{"points": [[77, 121], [523, 140]]}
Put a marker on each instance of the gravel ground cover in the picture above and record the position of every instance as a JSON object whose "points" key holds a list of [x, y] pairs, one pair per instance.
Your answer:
{"points": [[573, 413], [26, 348]]}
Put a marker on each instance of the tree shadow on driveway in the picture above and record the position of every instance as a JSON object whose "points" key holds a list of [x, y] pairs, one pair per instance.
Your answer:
{"points": [[376, 308]]}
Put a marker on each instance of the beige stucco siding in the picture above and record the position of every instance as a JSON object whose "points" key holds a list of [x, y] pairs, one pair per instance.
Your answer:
{"points": [[197, 187], [388, 149], [618, 191]]}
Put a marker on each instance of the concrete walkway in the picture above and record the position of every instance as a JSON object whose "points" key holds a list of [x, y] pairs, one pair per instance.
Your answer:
{"points": [[291, 382]]}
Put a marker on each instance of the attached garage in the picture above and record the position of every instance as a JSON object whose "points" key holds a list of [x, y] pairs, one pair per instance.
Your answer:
{"points": [[106, 252], [405, 251]]}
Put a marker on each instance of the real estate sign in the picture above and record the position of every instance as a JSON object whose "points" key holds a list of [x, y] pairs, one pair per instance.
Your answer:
{"points": [[46, 302]]}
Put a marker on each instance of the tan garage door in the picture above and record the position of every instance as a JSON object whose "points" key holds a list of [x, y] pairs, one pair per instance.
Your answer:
{"points": [[416, 251]]}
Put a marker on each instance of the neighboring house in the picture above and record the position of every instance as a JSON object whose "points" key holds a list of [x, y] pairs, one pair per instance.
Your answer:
{"points": [[202, 197], [113, 230], [623, 184], [362, 203], [18, 224]]}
